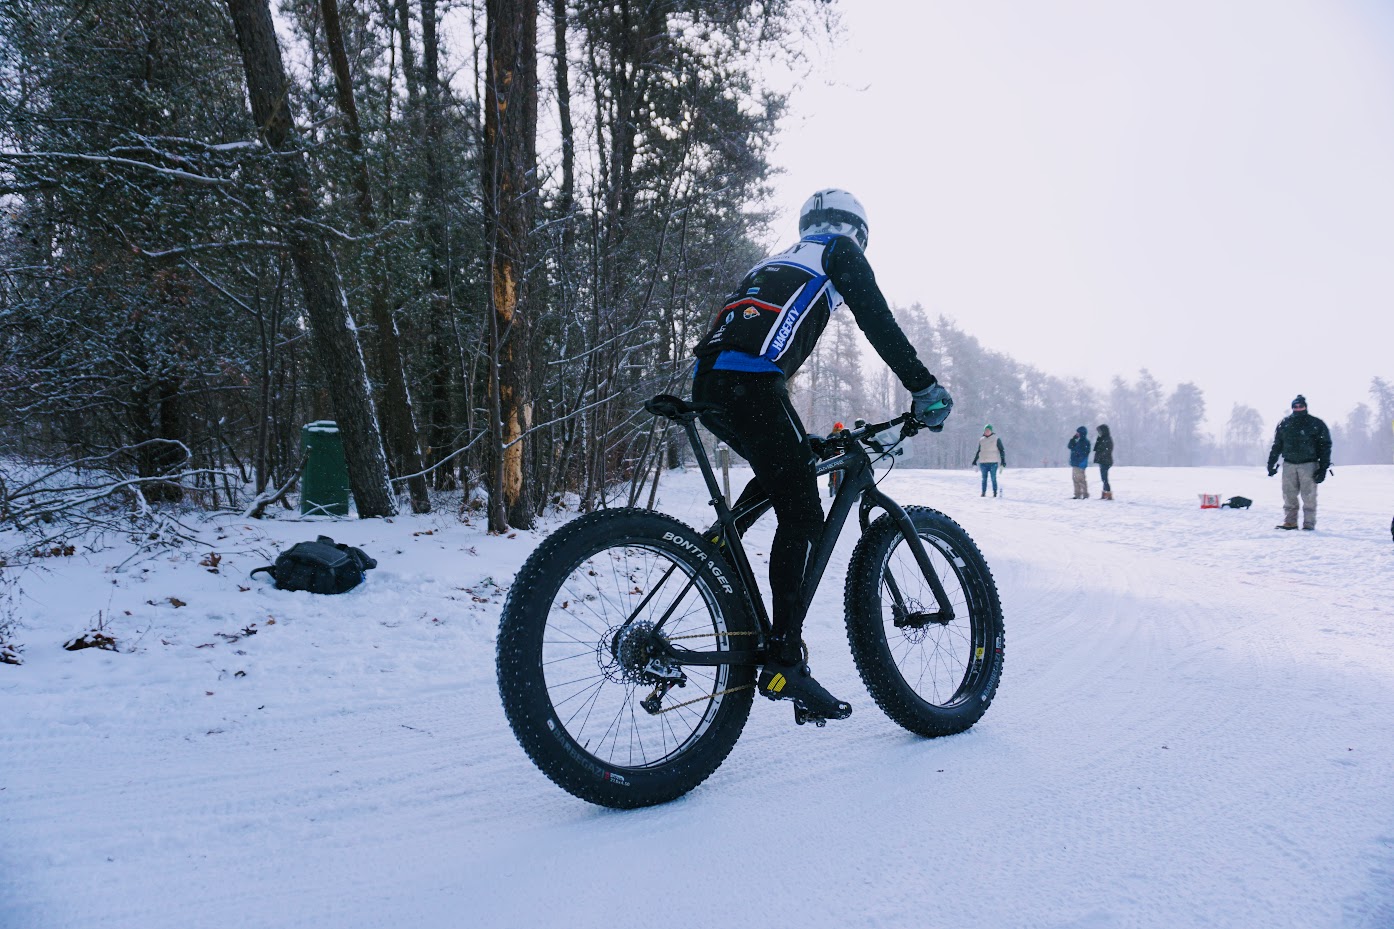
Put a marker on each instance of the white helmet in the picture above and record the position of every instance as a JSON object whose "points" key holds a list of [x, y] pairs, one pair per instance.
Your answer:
{"points": [[834, 210]]}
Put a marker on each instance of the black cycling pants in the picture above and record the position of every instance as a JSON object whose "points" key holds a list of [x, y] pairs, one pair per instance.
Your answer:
{"points": [[760, 425]]}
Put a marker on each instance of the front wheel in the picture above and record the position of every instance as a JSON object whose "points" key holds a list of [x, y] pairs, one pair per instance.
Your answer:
{"points": [[580, 665], [933, 675]]}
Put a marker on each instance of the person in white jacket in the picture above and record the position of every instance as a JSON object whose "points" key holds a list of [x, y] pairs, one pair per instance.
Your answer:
{"points": [[990, 456]]}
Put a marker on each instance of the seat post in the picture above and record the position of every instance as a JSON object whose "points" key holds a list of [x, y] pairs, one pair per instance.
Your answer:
{"points": [[718, 499]]}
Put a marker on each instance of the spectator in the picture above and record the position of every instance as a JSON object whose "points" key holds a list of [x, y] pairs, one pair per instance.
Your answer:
{"points": [[1304, 443], [1103, 457], [989, 457], [1079, 460]]}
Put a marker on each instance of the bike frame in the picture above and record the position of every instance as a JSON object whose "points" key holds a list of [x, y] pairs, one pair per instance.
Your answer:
{"points": [[858, 483]]}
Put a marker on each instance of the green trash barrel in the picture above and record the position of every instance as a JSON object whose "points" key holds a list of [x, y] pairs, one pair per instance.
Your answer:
{"points": [[324, 486]]}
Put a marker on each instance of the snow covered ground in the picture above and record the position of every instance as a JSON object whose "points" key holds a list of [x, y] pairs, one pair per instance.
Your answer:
{"points": [[1193, 729]]}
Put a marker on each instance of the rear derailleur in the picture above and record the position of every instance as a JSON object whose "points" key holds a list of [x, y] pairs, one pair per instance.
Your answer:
{"points": [[666, 676]]}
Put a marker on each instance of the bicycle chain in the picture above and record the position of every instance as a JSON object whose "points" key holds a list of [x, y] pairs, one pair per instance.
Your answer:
{"points": [[719, 693], [728, 690]]}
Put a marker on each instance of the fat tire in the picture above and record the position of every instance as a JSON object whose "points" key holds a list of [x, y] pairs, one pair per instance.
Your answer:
{"points": [[522, 682], [867, 630]]}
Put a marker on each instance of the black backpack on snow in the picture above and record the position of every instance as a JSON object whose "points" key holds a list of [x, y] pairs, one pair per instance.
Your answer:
{"points": [[1235, 503], [321, 567]]}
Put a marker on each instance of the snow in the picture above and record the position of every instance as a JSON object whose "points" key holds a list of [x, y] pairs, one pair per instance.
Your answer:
{"points": [[1192, 729]]}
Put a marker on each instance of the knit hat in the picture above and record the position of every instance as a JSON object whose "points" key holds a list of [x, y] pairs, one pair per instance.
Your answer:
{"points": [[1299, 400], [987, 428]]}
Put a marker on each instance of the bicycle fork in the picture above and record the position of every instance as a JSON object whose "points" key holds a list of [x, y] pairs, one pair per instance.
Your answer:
{"points": [[903, 616], [859, 480]]}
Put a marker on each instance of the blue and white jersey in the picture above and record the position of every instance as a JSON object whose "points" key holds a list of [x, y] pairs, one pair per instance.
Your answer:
{"points": [[774, 318]]}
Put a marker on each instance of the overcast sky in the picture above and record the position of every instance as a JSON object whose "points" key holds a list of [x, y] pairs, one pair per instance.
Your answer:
{"points": [[1204, 188]]}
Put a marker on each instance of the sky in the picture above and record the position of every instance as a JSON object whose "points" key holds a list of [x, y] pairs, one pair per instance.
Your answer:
{"points": [[1202, 189]]}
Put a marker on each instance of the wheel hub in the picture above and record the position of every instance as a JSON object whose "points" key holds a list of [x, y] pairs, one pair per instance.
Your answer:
{"points": [[633, 647]]}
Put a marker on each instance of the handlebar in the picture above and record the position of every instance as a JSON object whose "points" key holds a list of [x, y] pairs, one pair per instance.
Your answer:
{"points": [[830, 445]]}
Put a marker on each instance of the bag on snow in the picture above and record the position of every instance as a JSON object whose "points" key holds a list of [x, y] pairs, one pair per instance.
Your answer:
{"points": [[1235, 503], [321, 567]]}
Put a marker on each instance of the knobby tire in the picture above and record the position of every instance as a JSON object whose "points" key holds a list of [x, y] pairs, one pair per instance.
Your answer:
{"points": [[572, 700], [938, 679]]}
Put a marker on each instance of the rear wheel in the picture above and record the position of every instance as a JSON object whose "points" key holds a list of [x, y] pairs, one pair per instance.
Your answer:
{"points": [[933, 676], [581, 684]]}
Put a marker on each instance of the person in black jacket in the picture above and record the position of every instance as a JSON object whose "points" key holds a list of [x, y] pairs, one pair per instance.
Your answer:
{"points": [[1304, 443], [1103, 457], [1079, 460], [764, 330]]}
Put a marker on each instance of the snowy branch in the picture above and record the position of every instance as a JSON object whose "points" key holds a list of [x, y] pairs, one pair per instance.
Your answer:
{"points": [[209, 246], [257, 507], [175, 173]]}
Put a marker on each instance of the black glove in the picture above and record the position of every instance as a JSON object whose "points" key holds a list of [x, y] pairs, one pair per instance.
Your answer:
{"points": [[1272, 470], [931, 406], [1321, 473]]}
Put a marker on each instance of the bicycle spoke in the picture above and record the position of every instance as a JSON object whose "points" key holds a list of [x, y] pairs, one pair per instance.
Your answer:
{"points": [[935, 659], [588, 706], [601, 601]]}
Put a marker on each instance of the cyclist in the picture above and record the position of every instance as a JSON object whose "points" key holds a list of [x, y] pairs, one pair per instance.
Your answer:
{"points": [[766, 329]]}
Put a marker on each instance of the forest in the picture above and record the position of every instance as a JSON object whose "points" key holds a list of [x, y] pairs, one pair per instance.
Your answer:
{"points": [[1035, 413], [474, 233]]}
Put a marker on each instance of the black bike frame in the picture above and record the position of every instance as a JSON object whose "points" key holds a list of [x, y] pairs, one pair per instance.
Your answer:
{"points": [[858, 481]]}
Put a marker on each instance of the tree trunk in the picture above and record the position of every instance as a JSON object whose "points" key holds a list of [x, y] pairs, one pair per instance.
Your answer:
{"points": [[566, 196], [335, 337], [440, 422], [510, 161], [398, 420]]}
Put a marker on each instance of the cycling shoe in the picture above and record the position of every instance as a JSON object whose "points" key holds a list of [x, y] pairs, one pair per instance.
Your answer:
{"points": [[794, 681]]}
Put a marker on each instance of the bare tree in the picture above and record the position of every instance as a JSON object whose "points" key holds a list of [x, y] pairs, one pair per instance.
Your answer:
{"points": [[510, 196], [398, 419], [335, 336]]}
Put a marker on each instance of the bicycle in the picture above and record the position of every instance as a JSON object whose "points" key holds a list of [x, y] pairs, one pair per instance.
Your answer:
{"points": [[605, 609]]}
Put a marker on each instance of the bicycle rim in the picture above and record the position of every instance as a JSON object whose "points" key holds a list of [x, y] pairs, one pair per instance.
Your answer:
{"points": [[940, 662], [592, 655]]}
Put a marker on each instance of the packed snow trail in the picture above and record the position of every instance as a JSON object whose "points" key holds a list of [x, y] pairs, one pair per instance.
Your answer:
{"points": [[1192, 729]]}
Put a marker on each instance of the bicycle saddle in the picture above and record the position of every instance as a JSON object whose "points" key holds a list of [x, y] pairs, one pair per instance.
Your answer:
{"points": [[677, 408]]}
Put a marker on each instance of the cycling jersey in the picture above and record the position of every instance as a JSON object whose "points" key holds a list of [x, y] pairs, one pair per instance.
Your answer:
{"points": [[772, 321]]}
